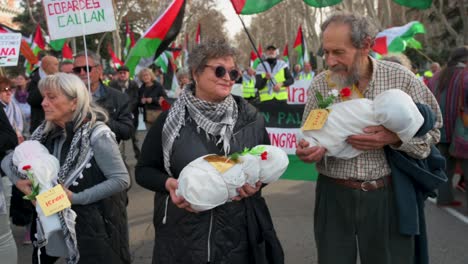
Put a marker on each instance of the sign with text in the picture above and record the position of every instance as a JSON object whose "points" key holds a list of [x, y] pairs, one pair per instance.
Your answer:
{"points": [[53, 200], [284, 138], [297, 92], [71, 18], [9, 49]]}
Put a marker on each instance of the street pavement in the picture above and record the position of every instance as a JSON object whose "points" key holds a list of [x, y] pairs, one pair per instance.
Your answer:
{"points": [[291, 204]]}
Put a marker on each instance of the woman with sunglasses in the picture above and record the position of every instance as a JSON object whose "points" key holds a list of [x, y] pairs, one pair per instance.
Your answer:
{"points": [[206, 119]]}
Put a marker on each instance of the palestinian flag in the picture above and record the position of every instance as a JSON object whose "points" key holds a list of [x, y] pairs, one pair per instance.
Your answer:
{"points": [[198, 35], [38, 44], [115, 60], [157, 38], [57, 44], [396, 39], [67, 53], [322, 3], [253, 57], [25, 49], [286, 54], [419, 4], [300, 46], [129, 39], [248, 7], [258, 57], [163, 61]]}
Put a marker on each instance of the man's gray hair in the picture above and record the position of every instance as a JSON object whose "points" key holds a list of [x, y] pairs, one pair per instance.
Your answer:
{"points": [[96, 58], [361, 27], [211, 49]]}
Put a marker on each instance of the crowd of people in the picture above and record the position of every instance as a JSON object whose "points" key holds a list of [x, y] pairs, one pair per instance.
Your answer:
{"points": [[81, 119]]}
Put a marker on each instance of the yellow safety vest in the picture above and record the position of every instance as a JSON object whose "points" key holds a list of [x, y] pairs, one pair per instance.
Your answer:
{"points": [[248, 88], [428, 74], [308, 76], [281, 95]]}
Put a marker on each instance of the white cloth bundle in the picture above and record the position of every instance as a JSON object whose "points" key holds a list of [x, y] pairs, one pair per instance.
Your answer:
{"points": [[204, 187], [45, 168], [393, 109]]}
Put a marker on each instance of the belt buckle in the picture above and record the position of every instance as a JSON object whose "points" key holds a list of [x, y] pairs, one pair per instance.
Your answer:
{"points": [[368, 185]]}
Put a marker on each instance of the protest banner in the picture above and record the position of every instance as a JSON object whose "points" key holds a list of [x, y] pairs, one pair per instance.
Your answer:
{"points": [[283, 122], [71, 18], [9, 49], [297, 92]]}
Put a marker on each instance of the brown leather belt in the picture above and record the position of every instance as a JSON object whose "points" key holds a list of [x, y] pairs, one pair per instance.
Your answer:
{"points": [[365, 185]]}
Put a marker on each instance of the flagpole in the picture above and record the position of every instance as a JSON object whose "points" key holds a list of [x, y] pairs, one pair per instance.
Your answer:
{"points": [[255, 49]]}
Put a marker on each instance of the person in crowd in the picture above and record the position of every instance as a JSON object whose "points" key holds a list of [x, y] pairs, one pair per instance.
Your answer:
{"points": [[74, 128], [435, 67], [297, 71], [129, 87], [362, 185], [11, 109], [66, 66], [115, 102], [8, 141], [273, 77], [450, 87], [307, 73], [205, 119], [21, 99], [151, 95], [248, 85], [49, 65], [399, 58]]}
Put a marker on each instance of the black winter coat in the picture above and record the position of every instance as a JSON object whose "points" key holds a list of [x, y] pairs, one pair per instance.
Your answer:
{"points": [[117, 105], [35, 101], [219, 235]]}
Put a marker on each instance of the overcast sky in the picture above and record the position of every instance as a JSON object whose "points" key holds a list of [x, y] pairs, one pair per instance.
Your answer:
{"points": [[233, 24]]}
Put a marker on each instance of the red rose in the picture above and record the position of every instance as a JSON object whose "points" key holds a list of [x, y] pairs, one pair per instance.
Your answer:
{"points": [[165, 105], [345, 92], [264, 155], [26, 167]]}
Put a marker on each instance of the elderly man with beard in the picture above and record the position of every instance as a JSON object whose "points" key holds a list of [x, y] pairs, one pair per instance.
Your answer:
{"points": [[354, 206]]}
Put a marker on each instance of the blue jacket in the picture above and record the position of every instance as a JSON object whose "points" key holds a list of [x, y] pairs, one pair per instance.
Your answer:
{"points": [[413, 181]]}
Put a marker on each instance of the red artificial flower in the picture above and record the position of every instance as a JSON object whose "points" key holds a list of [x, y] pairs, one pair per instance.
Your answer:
{"points": [[345, 92], [264, 155], [26, 167]]}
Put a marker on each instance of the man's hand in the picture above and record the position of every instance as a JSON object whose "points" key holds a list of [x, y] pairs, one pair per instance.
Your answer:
{"points": [[179, 201], [277, 87], [376, 137], [267, 76], [309, 154]]}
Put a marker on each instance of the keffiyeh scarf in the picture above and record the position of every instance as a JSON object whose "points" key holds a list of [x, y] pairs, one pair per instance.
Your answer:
{"points": [[215, 119]]}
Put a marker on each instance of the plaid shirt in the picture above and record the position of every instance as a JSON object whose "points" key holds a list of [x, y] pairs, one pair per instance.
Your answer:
{"points": [[372, 164]]}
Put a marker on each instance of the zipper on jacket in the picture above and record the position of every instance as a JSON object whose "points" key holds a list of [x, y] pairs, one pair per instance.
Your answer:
{"points": [[165, 211], [209, 236]]}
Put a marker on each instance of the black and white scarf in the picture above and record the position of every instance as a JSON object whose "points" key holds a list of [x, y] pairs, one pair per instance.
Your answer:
{"points": [[215, 119]]}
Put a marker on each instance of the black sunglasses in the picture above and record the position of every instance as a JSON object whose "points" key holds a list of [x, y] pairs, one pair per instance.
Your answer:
{"points": [[85, 68], [220, 72]]}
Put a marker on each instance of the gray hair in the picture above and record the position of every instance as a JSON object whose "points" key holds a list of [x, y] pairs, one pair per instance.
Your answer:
{"points": [[146, 70], [361, 27], [211, 49], [73, 87], [399, 58], [96, 58]]}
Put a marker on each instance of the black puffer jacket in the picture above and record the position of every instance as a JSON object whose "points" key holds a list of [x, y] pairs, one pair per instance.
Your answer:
{"points": [[101, 227], [218, 235]]}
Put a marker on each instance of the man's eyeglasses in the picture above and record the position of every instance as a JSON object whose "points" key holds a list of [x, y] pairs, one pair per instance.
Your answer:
{"points": [[85, 68], [220, 72]]}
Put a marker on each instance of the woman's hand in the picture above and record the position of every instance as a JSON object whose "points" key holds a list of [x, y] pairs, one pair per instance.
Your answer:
{"points": [[25, 186], [68, 192], [246, 190], [179, 201]]}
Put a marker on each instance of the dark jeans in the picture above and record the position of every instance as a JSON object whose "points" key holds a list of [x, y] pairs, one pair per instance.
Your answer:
{"points": [[446, 190], [347, 220]]}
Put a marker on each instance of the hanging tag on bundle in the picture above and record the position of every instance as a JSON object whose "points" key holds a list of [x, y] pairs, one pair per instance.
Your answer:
{"points": [[53, 200], [220, 163], [316, 119]]}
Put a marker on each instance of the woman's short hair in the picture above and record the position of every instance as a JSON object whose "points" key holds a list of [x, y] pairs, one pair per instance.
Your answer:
{"points": [[399, 58], [211, 49], [146, 70], [73, 88], [4, 82], [360, 27]]}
